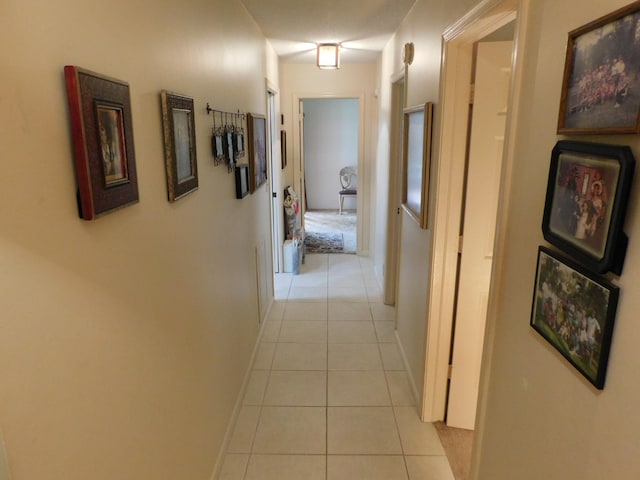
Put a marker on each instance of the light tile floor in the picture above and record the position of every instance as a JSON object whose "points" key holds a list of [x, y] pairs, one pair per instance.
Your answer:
{"points": [[328, 397]]}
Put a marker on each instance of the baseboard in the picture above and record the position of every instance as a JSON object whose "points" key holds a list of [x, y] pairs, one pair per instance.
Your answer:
{"points": [[238, 405], [407, 367]]}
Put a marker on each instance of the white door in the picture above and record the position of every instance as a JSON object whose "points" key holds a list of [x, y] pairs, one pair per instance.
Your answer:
{"points": [[493, 62], [277, 220], [301, 187]]}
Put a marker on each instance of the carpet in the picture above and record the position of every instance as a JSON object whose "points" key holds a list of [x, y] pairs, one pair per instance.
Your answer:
{"points": [[457, 444], [317, 242]]}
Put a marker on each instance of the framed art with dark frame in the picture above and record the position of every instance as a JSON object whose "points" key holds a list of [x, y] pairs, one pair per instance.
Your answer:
{"points": [[586, 202], [600, 89], [283, 149], [181, 163], [242, 180], [416, 161], [257, 143], [102, 134], [574, 310]]}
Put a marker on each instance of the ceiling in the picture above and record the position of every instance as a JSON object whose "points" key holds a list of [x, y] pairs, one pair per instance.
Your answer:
{"points": [[362, 27]]}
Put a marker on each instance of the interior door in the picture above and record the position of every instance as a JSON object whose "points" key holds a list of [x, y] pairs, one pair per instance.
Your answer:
{"points": [[301, 187], [492, 74]]}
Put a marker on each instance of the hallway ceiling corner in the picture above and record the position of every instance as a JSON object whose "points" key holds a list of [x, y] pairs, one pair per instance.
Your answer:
{"points": [[362, 27]]}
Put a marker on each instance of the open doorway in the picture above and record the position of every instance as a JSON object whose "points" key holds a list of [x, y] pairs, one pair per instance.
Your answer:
{"points": [[459, 48], [331, 151]]}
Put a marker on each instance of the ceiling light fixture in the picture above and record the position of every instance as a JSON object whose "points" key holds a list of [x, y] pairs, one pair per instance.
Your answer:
{"points": [[328, 56]]}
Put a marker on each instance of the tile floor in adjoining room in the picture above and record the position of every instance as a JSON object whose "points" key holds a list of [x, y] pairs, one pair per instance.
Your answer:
{"points": [[328, 397]]}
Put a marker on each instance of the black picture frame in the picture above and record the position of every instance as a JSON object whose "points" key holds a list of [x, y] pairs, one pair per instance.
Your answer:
{"points": [[574, 310], [586, 202], [602, 59], [103, 147], [242, 180], [181, 163]]}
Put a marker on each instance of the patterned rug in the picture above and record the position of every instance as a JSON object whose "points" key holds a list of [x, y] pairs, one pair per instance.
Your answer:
{"points": [[316, 242]]}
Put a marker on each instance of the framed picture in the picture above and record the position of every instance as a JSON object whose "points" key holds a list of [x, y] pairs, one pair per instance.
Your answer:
{"points": [[102, 134], [179, 129], [238, 137], [601, 90], [586, 202], [283, 148], [217, 146], [257, 131], [242, 180], [574, 311], [229, 147], [416, 161]]}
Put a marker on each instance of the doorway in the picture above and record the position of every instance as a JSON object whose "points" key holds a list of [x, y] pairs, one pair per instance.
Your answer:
{"points": [[331, 142], [459, 47]]}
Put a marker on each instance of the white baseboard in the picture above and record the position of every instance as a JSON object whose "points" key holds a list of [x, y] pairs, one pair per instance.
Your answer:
{"points": [[238, 405], [407, 367]]}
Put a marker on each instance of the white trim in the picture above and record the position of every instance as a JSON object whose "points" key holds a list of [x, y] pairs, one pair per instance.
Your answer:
{"points": [[453, 122]]}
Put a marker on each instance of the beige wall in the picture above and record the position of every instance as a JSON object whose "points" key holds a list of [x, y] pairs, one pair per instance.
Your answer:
{"points": [[423, 26], [354, 81], [543, 420], [124, 341]]}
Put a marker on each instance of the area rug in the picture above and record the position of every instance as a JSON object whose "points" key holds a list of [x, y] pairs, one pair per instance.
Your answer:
{"points": [[317, 242]]}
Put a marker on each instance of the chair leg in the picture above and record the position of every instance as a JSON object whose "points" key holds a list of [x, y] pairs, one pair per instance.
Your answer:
{"points": [[341, 203]]}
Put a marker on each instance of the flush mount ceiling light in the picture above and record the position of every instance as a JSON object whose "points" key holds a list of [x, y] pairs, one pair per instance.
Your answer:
{"points": [[328, 56]]}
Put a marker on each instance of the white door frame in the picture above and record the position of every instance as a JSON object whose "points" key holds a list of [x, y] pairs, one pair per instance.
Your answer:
{"points": [[394, 216], [451, 129], [362, 205], [275, 184]]}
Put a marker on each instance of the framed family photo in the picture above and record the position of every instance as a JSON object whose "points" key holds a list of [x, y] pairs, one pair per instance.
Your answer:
{"points": [[586, 202], [417, 161], [574, 311], [102, 134], [601, 85], [179, 144], [257, 143]]}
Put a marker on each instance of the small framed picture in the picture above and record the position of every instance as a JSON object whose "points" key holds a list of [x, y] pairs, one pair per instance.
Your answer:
{"points": [[229, 148], [217, 146], [417, 161], [179, 144], [242, 180], [574, 311], [600, 89], [102, 133], [257, 141], [586, 202], [283, 149]]}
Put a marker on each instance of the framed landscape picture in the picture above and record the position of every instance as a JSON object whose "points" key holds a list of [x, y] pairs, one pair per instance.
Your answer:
{"points": [[574, 311], [586, 202], [102, 133], [179, 144], [601, 88]]}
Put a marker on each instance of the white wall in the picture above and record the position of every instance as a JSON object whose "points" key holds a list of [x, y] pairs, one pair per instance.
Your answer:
{"points": [[330, 143], [543, 420], [124, 341]]}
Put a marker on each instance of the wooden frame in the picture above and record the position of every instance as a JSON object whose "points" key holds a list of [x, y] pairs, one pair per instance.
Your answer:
{"points": [[600, 92], [417, 161], [102, 133], [178, 125], [242, 180], [257, 143], [586, 202], [283, 149], [574, 311]]}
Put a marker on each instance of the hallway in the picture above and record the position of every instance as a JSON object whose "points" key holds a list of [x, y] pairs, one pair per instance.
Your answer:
{"points": [[328, 397]]}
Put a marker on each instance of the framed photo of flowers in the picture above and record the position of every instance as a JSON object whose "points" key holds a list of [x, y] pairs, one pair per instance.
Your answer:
{"points": [[586, 202], [102, 134]]}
